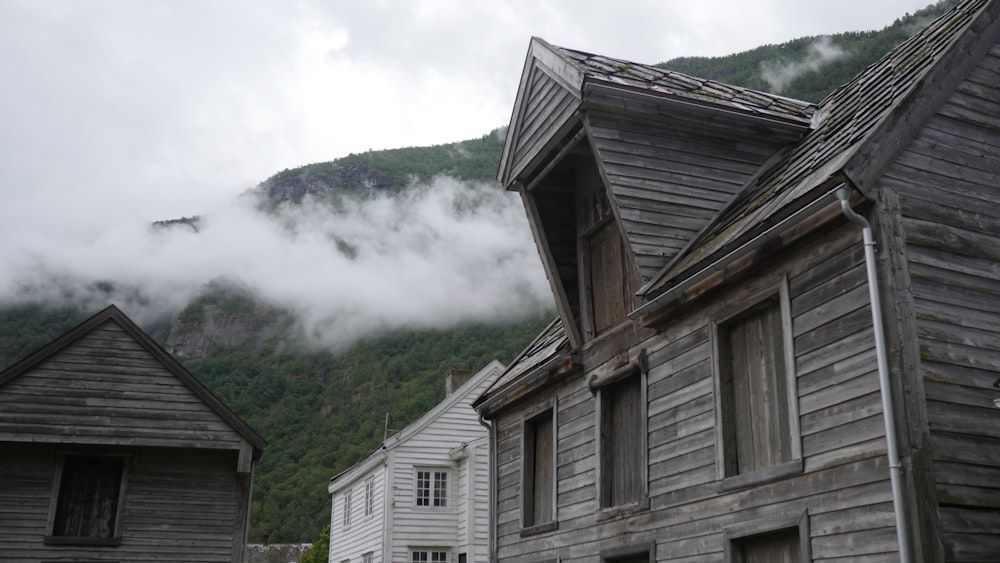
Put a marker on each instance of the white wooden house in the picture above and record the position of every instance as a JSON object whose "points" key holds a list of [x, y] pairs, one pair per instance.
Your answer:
{"points": [[423, 495]]}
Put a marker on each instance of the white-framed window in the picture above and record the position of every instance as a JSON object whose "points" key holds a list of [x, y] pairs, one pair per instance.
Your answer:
{"points": [[370, 496], [87, 499], [428, 556], [431, 488], [368, 557], [347, 509], [757, 406]]}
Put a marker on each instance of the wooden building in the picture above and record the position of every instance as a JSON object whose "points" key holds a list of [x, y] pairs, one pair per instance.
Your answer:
{"points": [[111, 451], [779, 322], [422, 497]]}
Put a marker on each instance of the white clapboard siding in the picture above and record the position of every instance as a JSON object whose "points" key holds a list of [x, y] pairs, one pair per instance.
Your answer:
{"points": [[449, 437]]}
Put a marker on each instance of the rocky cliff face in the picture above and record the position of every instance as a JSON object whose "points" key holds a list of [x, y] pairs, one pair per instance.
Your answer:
{"points": [[225, 317], [320, 179]]}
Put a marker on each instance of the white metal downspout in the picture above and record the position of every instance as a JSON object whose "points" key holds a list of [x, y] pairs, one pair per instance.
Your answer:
{"points": [[490, 494], [895, 469]]}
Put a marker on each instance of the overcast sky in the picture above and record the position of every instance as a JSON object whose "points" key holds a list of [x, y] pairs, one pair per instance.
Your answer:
{"points": [[117, 113]]}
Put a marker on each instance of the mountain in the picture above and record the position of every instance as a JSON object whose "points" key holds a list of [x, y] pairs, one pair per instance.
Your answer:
{"points": [[322, 406]]}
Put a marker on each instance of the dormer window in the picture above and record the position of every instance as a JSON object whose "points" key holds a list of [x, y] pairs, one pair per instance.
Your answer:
{"points": [[584, 249], [605, 288]]}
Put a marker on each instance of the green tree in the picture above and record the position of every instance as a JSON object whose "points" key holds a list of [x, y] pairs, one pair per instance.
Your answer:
{"points": [[320, 550]]}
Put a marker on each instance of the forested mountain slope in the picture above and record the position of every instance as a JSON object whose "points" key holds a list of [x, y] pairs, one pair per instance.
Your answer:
{"points": [[322, 409]]}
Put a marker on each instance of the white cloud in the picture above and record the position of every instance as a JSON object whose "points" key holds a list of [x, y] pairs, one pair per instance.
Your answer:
{"points": [[780, 73], [436, 256], [116, 114]]}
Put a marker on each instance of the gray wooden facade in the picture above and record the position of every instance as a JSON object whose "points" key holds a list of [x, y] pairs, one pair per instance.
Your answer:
{"points": [[111, 451], [736, 303]]}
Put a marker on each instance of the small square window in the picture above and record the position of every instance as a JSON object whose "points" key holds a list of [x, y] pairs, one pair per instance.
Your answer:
{"points": [[781, 546], [88, 496], [777, 538], [367, 557], [431, 488], [428, 556]]}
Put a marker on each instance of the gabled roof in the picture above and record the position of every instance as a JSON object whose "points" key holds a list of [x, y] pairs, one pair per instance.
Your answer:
{"points": [[114, 315], [559, 78], [860, 128], [365, 466], [651, 80]]}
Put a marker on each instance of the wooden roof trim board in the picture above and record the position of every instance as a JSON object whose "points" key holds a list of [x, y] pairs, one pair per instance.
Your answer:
{"points": [[862, 126], [115, 315], [547, 356]]}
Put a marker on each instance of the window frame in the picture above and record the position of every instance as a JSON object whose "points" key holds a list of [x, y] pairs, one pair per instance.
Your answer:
{"points": [[432, 487], [346, 507], [529, 419], [429, 551], [613, 554], [61, 458], [728, 479], [368, 557], [369, 496], [734, 535], [600, 384]]}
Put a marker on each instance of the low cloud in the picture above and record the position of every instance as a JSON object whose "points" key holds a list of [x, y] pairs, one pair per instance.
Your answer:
{"points": [[779, 74], [433, 257]]}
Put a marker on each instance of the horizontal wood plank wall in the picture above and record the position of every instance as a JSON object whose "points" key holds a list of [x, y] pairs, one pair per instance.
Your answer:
{"points": [[107, 389], [669, 181], [845, 483], [948, 181], [550, 104], [180, 505]]}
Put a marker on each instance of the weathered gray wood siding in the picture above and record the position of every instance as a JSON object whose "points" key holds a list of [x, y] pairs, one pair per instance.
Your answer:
{"points": [[844, 486], [180, 505], [549, 105], [107, 389], [948, 185], [668, 180]]}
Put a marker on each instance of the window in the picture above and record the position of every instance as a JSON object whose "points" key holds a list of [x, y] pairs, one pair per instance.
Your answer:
{"points": [[367, 557], [758, 412], [604, 275], [777, 539], [369, 497], [429, 557], [347, 509], [644, 553], [622, 438], [432, 488], [538, 470], [88, 497], [781, 546]]}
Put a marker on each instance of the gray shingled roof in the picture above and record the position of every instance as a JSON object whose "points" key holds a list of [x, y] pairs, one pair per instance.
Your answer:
{"points": [[848, 117], [547, 346], [695, 90]]}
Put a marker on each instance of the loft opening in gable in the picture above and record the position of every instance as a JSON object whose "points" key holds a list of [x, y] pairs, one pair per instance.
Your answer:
{"points": [[583, 242]]}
